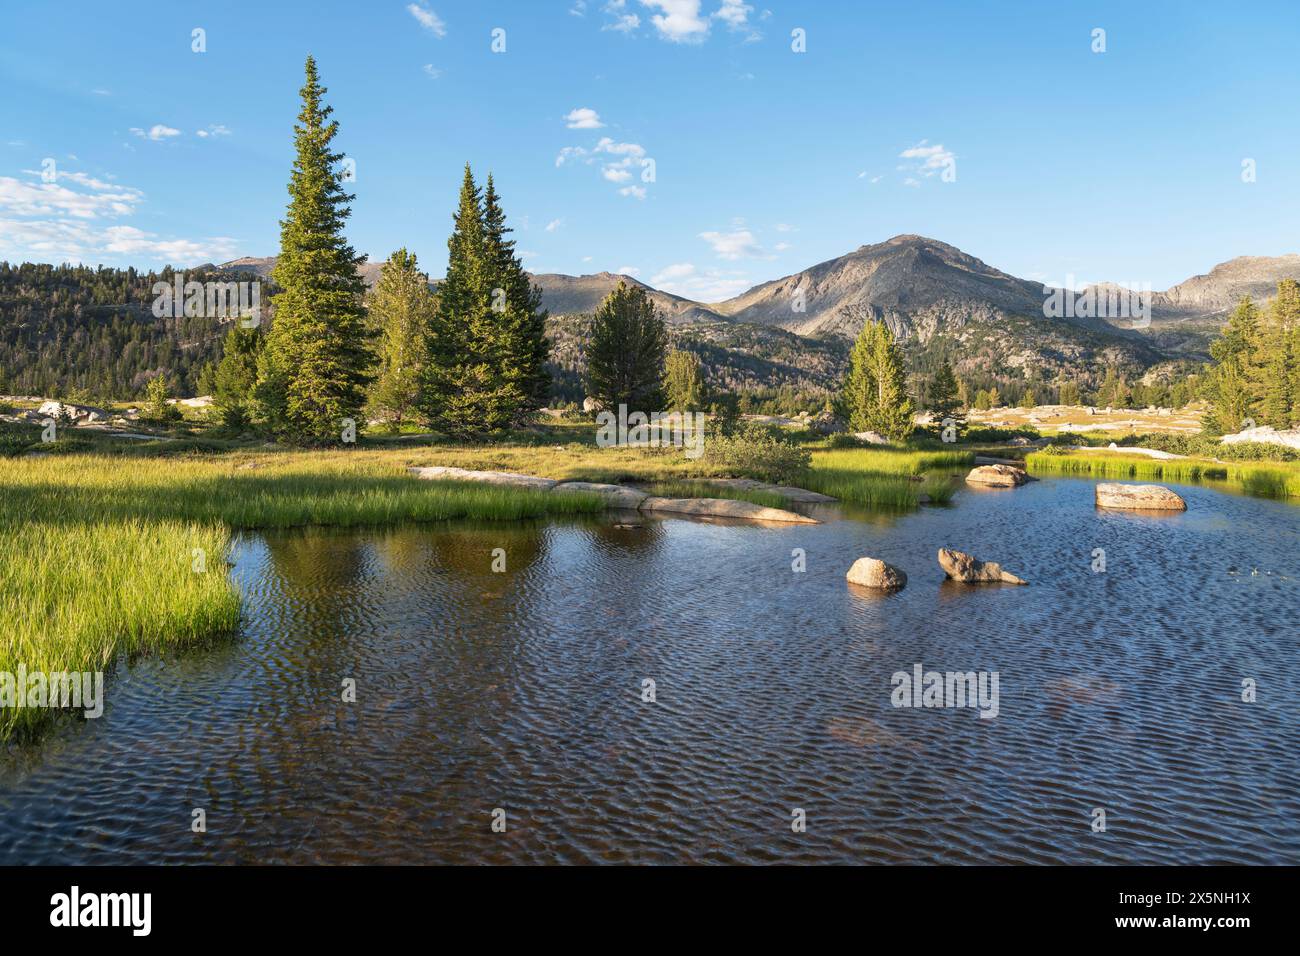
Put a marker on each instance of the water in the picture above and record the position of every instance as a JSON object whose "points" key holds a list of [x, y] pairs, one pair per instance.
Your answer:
{"points": [[522, 691]]}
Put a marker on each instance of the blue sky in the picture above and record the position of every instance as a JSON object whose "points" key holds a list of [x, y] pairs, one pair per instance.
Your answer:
{"points": [[1123, 165]]}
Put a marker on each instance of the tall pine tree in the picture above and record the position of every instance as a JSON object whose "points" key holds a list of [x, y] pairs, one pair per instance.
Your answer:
{"points": [[875, 391], [471, 386], [316, 365], [625, 355], [517, 303], [402, 311]]}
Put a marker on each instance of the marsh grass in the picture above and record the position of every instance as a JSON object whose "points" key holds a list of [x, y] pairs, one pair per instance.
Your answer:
{"points": [[98, 554], [1272, 480], [883, 478]]}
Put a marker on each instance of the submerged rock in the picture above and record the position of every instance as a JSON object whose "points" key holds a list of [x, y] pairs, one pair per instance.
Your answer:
{"points": [[724, 508], [1138, 497], [874, 573], [969, 570], [788, 492], [997, 476]]}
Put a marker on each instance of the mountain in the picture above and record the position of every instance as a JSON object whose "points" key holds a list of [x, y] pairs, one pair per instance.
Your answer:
{"points": [[574, 295], [1213, 295], [917, 286], [561, 294]]}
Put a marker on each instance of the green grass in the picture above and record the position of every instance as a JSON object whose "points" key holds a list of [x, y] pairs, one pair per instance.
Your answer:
{"points": [[97, 553], [882, 478], [1272, 480]]}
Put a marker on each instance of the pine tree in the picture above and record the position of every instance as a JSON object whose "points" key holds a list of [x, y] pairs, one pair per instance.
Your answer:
{"points": [[236, 375], [468, 388], [316, 364], [875, 391], [402, 310], [983, 401], [1278, 374], [625, 356], [522, 320], [943, 391], [1068, 393], [683, 383]]}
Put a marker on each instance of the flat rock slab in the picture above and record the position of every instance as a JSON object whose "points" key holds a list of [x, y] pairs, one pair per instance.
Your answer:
{"points": [[874, 573], [790, 493], [723, 508], [997, 476], [1138, 497], [444, 473], [962, 567], [616, 496]]}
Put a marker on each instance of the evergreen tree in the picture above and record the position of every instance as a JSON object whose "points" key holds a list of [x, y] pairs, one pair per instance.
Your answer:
{"points": [[402, 310], [625, 357], [875, 393], [236, 375], [470, 386], [156, 407], [943, 391], [518, 305], [995, 397], [683, 382], [1278, 372], [1069, 393], [983, 402], [316, 364]]}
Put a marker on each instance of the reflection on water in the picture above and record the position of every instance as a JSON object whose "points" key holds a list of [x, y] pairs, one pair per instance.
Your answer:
{"points": [[521, 690]]}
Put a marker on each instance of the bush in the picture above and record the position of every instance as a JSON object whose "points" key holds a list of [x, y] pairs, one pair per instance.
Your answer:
{"points": [[756, 451]]}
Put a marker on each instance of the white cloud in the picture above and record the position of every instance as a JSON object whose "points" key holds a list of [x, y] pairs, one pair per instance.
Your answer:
{"points": [[781, 246], [583, 118], [680, 21], [607, 145], [785, 227], [214, 129], [733, 245], [579, 8], [57, 224], [428, 19], [101, 92], [554, 225], [51, 199], [431, 71], [735, 14], [632, 271], [926, 159], [615, 174], [635, 191], [156, 132], [623, 22], [570, 153], [707, 285]]}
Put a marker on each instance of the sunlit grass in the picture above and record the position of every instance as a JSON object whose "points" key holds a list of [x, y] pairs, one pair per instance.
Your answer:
{"points": [[706, 489], [882, 478], [1273, 480]]}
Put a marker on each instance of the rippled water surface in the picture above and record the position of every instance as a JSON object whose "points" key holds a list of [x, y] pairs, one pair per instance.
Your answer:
{"points": [[522, 691]]}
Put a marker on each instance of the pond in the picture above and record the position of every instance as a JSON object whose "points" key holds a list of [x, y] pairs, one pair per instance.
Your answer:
{"points": [[521, 696]]}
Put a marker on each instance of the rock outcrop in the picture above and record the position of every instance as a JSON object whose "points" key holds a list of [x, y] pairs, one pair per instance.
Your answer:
{"points": [[616, 496], [788, 492], [874, 573], [997, 476], [1138, 497], [1266, 434], [444, 473], [962, 567]]}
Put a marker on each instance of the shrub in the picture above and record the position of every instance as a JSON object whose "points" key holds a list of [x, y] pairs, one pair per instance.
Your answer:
{"points": [[756, 451]]}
